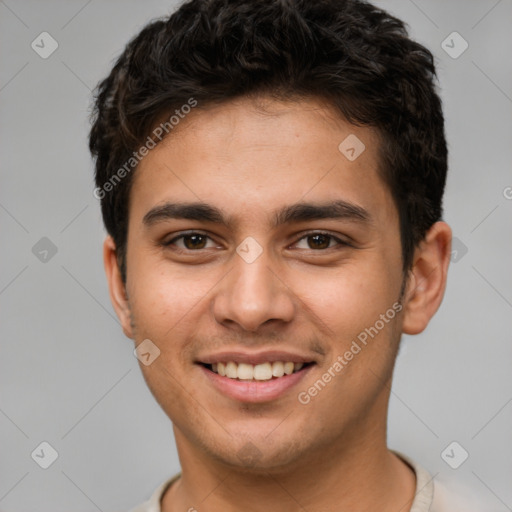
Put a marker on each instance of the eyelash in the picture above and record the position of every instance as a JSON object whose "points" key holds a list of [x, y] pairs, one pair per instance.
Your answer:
{"points": [[340, 242]]}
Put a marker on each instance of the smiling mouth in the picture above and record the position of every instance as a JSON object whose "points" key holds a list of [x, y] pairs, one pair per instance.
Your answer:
{"points": [[257, 372]]}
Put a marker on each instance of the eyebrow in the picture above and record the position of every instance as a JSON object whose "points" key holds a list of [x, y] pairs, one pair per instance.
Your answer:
{"points": [[295, 213]]}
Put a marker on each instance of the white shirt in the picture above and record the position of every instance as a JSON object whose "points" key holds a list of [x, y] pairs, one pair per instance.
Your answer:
{"points": [[430, 496]]}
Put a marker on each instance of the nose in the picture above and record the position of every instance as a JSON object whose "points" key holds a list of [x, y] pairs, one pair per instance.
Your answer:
{"points": [[253, 295]]}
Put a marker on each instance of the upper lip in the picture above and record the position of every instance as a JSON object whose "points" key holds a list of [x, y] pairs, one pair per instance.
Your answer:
{"points": [[268, 356]]}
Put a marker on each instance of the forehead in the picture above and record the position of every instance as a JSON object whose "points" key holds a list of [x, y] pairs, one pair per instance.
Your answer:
{"points": [[251, 156]]}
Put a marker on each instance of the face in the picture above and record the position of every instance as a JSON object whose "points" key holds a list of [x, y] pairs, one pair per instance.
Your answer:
{"points": [[294, 257]]}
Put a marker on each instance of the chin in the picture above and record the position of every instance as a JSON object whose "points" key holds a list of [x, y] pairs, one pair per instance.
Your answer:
{"points": [[257, 456]]}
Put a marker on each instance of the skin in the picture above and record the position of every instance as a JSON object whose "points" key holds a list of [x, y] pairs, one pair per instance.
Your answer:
{"points": [[249, 158]]}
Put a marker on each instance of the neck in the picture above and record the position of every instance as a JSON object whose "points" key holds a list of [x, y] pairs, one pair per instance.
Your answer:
{"points": [[356, 473]]}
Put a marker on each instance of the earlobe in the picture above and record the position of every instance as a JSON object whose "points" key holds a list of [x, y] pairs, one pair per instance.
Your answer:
{"points": [[117, 288], [427, 278]]}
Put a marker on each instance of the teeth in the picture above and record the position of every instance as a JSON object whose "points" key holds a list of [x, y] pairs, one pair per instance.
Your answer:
{"points": [[231, 371], [243, 372], [288, 368], [263, 371], [278, 369]]}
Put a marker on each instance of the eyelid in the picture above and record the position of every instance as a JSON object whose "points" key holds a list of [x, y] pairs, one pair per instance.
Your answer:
{"points": [[182, 234], [336, 238], [339, 241]]}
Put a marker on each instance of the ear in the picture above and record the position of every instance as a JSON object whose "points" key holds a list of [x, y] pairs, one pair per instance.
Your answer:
{"points": [[427, 278], [116, 286]]}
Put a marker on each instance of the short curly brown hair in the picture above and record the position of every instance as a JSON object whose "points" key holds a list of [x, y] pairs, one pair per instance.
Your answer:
{"points": [[354, 55]]}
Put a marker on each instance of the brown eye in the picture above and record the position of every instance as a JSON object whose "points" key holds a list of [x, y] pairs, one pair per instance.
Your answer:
{"points": [[189, 242], [318, 241], [194, 241]]}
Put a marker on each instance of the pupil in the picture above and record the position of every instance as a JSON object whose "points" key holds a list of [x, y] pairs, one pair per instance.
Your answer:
{"points": [[191, 241], [321, 245]]}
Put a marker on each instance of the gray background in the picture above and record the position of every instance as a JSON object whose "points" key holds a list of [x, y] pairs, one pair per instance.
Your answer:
{"points": [[67, 373]]}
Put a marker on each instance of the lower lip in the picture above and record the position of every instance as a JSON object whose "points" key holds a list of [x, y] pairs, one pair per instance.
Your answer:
{"points": [[253, 391]]}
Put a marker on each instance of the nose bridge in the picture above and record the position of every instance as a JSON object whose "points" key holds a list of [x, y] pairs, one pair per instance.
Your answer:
{"points": [[252, 294]]}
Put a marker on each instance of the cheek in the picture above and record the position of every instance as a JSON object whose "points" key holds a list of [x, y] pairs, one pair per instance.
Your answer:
{"points": [[163, 296], [349, 299]]}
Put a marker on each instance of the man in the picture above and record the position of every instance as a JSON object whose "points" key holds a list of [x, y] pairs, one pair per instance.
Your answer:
{"points": [[271, 177]]}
